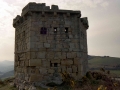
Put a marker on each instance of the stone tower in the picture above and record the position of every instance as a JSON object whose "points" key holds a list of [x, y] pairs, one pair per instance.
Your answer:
{"points": [[49, 40]]}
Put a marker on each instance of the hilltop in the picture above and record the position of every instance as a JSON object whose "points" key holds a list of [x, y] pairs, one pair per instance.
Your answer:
{"points": [[106, 62]]}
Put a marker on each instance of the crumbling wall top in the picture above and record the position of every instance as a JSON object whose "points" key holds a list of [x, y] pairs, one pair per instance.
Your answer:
{"points": [[38, 7], [84, 20], [41, 7]]}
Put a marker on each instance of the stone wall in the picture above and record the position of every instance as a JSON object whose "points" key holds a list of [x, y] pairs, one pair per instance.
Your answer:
{"points": [[62, 47]]}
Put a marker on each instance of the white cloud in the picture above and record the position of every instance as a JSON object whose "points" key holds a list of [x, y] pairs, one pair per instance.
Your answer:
{"points": [[95, 3], [104, 4], [89, 3]]}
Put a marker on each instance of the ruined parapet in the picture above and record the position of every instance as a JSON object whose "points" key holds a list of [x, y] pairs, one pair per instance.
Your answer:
{"points": [[49, 40], [41, 8], [85, 22]]}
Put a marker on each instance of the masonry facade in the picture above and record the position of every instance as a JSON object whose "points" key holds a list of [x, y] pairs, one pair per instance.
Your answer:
{"points": [[49, 40]]}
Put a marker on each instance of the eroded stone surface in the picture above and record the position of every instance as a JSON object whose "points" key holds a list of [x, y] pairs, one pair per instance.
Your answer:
{"points": [[48, 42]]}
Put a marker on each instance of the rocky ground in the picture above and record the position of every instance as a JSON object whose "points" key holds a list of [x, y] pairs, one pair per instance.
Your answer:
{"points": [[101, 80]]}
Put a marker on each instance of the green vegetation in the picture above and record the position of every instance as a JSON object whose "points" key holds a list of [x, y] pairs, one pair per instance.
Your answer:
{"points": [[7, 84], [116, 72], [109, 63], [104, 61]]}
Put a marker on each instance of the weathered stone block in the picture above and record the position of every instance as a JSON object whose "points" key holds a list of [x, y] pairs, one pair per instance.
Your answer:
{"points": [[41, 54], [59, 69], [37, 71], [74, 68], [63, 68], [34, 39], [65, 45], [45, 63], [39, 45], [47, 45], [33, 49], [31, 33], [79, 75], [34, 62], [50, 55], [79, 54], [76, 36], [32, 55], [59, 45], [58, 54], [67, 23], [79, 68], [64, 49], [72, 45], [76, 49], [42, 49], [77, 61], [69, 55], [35, 77], [50, 38], [74, 54], [69, 70], [50, 71], [66, 62], [32, 44], [28, 45], [75, 40], [63, 55], [27, 78], [55, 61], [70, 36], [74, 75], [43, 71], [43, 38], [77, 45]]}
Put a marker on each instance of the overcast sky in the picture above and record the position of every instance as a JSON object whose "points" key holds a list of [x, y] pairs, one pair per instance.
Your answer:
{"points": [[103, 35]]}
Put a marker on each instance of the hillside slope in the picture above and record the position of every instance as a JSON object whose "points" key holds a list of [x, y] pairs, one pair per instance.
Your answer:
{"points": [[6, 66], [104, 61], [7, 74]]}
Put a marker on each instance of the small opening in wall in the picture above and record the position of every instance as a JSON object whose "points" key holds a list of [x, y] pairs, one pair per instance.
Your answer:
{"points": [[76, 73], [55, 64], [66, 30], [43, 30], [55, 30], [50, 64]]}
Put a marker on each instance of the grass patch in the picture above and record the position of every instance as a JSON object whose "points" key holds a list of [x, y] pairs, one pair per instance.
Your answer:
{"points": [[116, 72], [104, 61]]}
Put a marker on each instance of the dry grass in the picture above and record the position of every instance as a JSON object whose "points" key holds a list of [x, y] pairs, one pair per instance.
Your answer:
{"points": [[6, 84]]}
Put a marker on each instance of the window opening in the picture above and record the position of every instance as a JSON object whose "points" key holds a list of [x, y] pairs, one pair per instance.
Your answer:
{"points": [[43, 30], [23, 33], [50, 64], [55, 64], [55, 30], [66, 30]]}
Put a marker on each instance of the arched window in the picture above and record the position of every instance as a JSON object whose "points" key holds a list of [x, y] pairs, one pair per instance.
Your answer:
{"points": [[43, 30]]}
